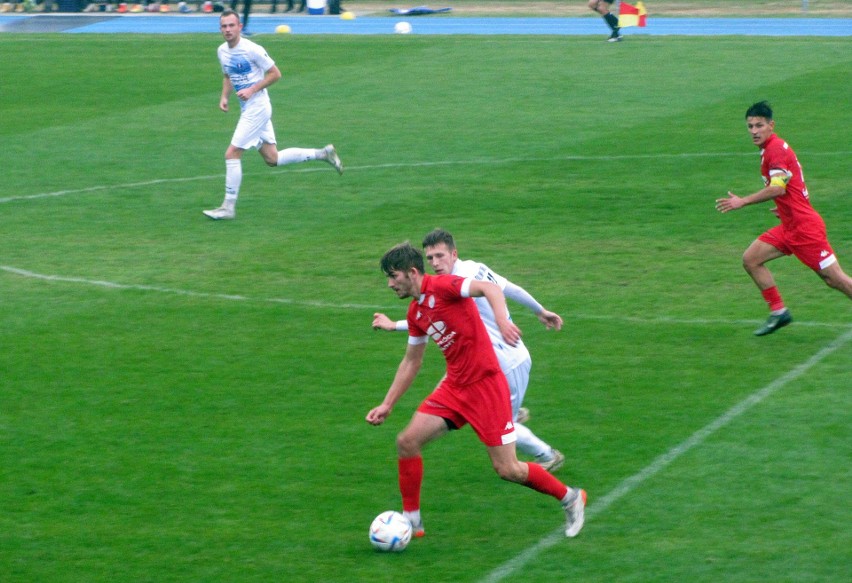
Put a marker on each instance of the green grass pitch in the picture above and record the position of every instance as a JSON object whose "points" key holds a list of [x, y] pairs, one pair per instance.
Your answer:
{"points": [[184, 400]]}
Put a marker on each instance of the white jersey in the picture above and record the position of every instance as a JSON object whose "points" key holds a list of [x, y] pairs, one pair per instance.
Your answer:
{"points": [[245, 65], [509, 356]]}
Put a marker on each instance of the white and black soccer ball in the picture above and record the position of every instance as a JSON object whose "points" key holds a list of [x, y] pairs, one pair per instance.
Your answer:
{"points": [[390, 531]]}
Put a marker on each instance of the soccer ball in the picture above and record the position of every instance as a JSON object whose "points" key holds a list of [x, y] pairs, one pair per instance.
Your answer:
{"points": [[402, 28], [390, 531]]}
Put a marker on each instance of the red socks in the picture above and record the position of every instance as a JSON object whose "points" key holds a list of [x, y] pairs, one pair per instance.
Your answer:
{"points": [[410, 479], [773, 298], [543, 481]]}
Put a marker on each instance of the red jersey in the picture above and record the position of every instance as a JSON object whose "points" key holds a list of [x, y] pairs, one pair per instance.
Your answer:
{"points": [[800, 221], [449, 316]]}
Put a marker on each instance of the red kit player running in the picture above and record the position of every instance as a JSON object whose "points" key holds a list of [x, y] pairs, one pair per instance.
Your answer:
{"points": [[801, 232]]}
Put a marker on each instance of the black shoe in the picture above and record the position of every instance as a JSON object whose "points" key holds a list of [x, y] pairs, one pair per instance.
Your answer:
{"points": [[614, 37], [774, 322]]}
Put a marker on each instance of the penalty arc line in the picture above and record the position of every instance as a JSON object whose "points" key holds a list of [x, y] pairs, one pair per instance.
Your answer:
{"points": [[511, 567], [358, 306], [484, 161]]}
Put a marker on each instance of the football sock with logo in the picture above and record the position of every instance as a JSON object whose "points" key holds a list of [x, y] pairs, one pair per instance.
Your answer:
{"points": [[296, 155], [233, 180], [410, 479], [773, 299], [543, 481]]}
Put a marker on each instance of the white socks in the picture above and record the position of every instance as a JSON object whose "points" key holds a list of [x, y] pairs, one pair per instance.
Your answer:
{"points": [[570, 497], [413, 517], [528, 443], [233, 180], [234, 169], [296, 155]]}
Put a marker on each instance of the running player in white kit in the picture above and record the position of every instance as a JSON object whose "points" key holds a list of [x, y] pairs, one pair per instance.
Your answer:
{"points": [[248, 71]]}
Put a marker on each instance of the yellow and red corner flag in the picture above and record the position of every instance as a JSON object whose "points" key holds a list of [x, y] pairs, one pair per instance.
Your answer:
{"points": [[629, 15]]}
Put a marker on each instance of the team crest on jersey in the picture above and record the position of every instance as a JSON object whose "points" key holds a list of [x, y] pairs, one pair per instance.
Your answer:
{"points": [[431, 301], [239, 66]]}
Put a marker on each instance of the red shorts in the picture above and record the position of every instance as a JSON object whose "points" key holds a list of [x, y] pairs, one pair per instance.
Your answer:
{"points": [[816, 253], [484, 404]]}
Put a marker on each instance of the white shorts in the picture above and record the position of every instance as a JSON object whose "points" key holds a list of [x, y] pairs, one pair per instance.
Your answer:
{"points": [[519, 379], [254, 128]]}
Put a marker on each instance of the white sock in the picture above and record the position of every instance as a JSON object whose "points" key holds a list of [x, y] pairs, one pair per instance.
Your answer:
{"points": [[413, 516], [528, 443], [570, 496], [296, 155], [233, 180]]}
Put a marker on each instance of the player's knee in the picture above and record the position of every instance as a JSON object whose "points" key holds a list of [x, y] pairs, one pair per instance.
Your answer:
{"points": [[841, 282], [407, 445], [593, 5], [510, 472], [749, 262]]}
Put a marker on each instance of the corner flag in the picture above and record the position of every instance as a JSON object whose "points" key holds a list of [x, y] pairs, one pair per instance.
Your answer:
{"points": [[629, 15]]}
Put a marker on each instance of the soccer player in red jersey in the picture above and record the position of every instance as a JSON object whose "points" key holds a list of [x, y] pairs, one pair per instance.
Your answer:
{"points": [[802, 231], [474, 390]]}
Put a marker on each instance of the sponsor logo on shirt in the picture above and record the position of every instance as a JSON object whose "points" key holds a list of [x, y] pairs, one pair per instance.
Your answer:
{"points": [[438, 332]]}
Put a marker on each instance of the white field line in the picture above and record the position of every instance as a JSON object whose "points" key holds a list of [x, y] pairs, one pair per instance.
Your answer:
{"points": [[161, 181], [182, 292], [355, 306], [512, 567], [87, 190]]}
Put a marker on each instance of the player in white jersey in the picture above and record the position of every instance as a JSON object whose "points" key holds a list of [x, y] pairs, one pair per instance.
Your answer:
{"points": [[515, 361], [248, 70]]}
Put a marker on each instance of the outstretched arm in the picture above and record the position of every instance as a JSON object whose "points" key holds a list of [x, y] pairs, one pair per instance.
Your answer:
{"points": [[734, 202], [405, 375], [523, 297]]}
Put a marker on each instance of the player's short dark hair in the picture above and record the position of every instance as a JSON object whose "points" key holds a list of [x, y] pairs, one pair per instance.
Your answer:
{"points": [[437, 236], [402, 257], [229, 12], [760, 109]]}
